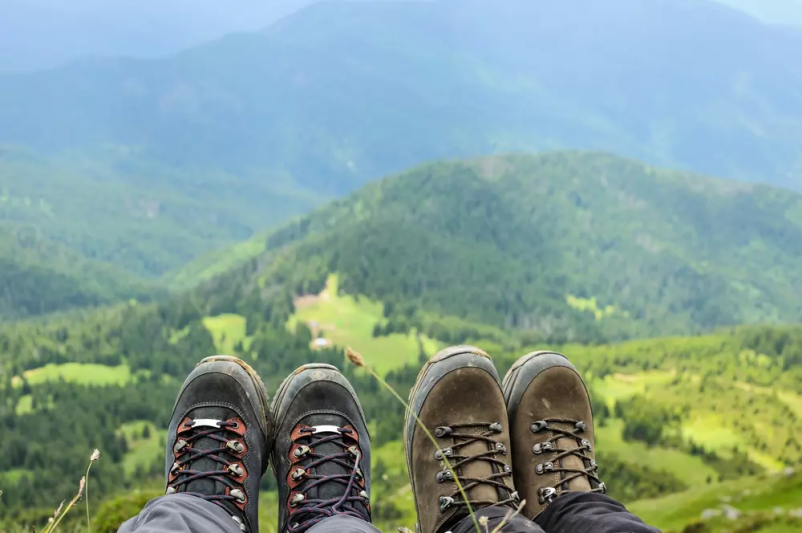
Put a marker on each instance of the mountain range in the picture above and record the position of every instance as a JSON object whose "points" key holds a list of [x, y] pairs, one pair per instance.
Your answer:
{"points": [[324, 96], [165, 160], [36, 34]]}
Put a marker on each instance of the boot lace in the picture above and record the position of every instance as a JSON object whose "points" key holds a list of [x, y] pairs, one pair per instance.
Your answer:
{"points": [[231, 473], [461, 437], [583, 448], [306, 512]]}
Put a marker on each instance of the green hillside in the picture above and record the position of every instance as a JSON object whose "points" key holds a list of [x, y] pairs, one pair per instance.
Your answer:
{"points": [[562, 245], [143, 216], [512, 253], [147, 165], [80, 231], [38, 276]]}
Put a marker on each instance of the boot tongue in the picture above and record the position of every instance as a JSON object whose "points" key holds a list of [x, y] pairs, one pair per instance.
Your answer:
{"points": [[330, 490], [581, 483], [208, 486], [478, 469]]}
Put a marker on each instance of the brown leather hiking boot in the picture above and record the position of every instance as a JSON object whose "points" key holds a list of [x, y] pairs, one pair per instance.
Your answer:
{"points": [[458, 398], [551, 425]]}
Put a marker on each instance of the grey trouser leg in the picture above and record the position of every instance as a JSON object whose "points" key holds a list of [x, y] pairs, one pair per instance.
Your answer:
{"points": [[180, 513], [343, 524]]}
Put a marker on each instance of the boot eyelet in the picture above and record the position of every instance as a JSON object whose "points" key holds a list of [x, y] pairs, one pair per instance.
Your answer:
{"points": [[447, 452], [239, 523], [547, 495], [581, 427], [363, 494], [238, 495], [444, 476], [537, 449], [353, 450], [297, 499], [175, 468], [538, 426], [587, 445], [443, 431], [541, 468], [501, 448], [236, 469], [445, 503], [507, 468], [301, 451], [298, 474], [180, 445], [593, 463], [170, 490], [603, 487], [235, 446], [496, 427]]}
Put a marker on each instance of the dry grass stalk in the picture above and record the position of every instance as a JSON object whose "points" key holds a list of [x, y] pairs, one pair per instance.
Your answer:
{"points": [[94, 457], [509, 516], [83, 489]]}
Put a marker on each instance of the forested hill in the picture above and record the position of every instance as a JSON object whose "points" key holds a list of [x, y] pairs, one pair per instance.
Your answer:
{"points": [[341, 92], [565, 245], [39, 276]]}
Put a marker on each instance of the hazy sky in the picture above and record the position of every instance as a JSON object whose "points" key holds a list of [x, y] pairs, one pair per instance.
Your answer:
{"points": [[42, 33], [38, 33]]}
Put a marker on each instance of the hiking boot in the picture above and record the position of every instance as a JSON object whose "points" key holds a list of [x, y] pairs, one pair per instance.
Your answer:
{"points": [[458, 398], [551, 424], [218, 438], [322, 453]]}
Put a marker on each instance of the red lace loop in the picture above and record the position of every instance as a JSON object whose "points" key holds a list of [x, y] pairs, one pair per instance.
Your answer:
{"points": [[232, 473]]}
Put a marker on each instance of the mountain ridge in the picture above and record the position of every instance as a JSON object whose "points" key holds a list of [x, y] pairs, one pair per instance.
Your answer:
{"points": [[525, 241], [616, 78]]}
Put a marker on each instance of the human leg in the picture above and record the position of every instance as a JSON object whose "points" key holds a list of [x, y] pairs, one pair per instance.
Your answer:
{"points": [[180, 513]]}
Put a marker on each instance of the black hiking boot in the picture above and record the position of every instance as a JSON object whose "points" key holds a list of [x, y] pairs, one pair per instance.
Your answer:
{"points": [[321, 456], [551, 424], [218, 440], [458, 398]]}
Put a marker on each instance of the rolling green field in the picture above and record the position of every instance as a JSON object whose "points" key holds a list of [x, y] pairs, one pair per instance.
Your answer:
{"points": [[765, 504], [228, 332], [78, 373], [689, 468], [345, 320], [145, 443]]}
